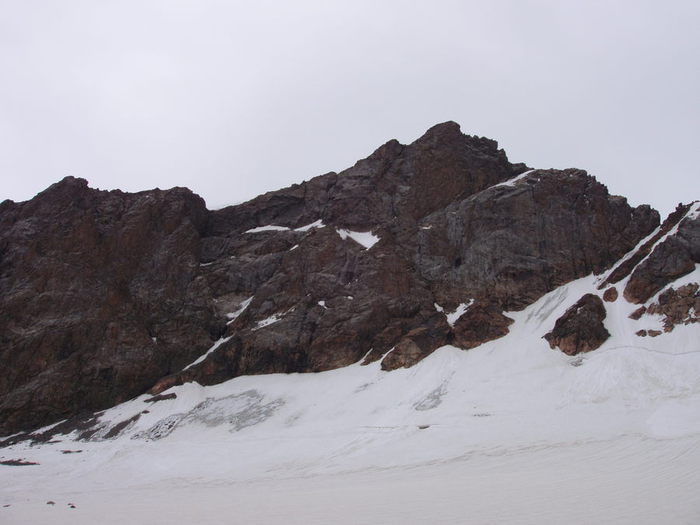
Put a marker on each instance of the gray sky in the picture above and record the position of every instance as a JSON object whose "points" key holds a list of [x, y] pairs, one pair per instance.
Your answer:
{"points": [[236, 98]]}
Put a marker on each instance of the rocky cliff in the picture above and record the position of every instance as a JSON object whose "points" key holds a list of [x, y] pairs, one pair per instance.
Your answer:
{"points": [[107, 295]]}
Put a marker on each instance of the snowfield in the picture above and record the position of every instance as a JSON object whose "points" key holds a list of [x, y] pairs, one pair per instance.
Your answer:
{"points": [[509, 432]]}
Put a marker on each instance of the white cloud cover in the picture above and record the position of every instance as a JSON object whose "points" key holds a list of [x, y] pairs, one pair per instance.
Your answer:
{"points": [[236, 98]]}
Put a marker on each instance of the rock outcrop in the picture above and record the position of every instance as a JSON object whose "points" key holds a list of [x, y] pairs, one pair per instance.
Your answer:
{"points": [[610, 295], [107, 295], [623, 269], [479, 324], [677, 306], [581, 328], [672, 258]]}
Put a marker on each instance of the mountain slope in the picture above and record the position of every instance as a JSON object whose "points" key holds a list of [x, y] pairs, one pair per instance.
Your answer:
{"points": [[509, 431], [107, 295], [491, 343]]}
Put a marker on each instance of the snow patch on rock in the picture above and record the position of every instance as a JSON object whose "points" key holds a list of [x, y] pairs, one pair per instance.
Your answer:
{"points": [[365, 239]]}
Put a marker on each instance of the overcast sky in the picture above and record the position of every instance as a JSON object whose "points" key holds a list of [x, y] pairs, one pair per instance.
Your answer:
{"points": [[232, 98]]}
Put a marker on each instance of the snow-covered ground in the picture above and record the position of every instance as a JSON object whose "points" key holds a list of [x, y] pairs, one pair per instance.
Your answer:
{"points": [[509, 432]]}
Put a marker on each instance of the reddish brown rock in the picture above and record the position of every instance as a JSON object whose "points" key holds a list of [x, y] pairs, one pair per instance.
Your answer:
{"points": [[402, 355], [581, 328], [678, 306], [416, 345], [479, 324], [610, 295], [638, 313]]}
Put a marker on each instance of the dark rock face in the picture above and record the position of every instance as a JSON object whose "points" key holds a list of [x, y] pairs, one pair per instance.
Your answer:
{"points": [[513, 244], [107, 295], [581, 328], [626, 267], [100, 298], [676, 256]]}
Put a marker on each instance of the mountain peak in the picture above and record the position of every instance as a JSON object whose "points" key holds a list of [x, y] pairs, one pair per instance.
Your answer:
{"points": [[449, 127], [448, 133], [68, 183]]}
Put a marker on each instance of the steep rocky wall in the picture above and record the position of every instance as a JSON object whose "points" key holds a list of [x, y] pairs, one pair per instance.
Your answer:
{"points": [[513, 243], [106, 295], [100, 297], [674, 257]]}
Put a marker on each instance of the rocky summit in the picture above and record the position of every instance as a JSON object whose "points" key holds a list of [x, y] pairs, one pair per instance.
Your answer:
{"points": [[108, 295]]}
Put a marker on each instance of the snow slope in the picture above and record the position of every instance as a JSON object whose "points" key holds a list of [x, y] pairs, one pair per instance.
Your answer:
{"points": [[509, 432]]}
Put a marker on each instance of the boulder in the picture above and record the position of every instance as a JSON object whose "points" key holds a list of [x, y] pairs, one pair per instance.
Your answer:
{"points": [[581, 328], [610, 295]]}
